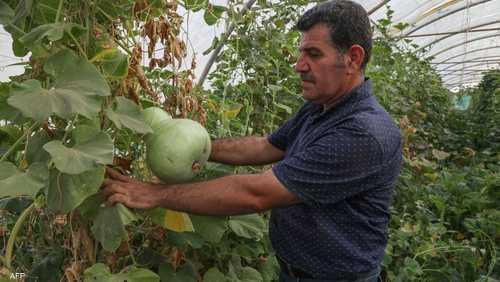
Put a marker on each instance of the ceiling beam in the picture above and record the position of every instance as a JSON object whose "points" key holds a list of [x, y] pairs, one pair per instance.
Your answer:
{"points": [[467, 61], [480, 57], [444, 16], [468, 52], [469, 65], [465, 30], [462, 44], [451, 32], [378, 6]]}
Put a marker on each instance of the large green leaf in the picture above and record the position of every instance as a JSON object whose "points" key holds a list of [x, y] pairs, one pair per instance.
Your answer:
{"points": [[214, 275], [77, 87], [15, 183], [209, 227], [109, 225], [185, 273], [114, 63], [101, 273], [66, 192], [248, 274], [250, 226], [7, 112], [81, 157], [34, 151], [6, 13], [195, 5], [213, 13], [52, 31], [128, 114]]}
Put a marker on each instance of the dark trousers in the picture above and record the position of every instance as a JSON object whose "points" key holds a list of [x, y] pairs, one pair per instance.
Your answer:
{"points": [[285, 277]]}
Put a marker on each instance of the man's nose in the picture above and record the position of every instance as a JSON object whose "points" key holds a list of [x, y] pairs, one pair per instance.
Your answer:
{"points": [[301, 65]]}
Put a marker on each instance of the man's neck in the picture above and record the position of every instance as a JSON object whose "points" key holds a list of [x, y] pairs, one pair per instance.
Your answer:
{"points": [[347, 90]]}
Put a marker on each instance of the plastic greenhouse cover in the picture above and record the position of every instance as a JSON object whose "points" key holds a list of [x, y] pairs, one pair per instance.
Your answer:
{"points": [[461, 36]]}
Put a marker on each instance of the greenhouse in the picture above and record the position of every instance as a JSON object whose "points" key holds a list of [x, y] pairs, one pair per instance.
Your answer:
{"points": [[249, 140]]}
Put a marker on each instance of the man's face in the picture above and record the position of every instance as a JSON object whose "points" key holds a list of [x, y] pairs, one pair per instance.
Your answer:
{"points": [[321, 67]]}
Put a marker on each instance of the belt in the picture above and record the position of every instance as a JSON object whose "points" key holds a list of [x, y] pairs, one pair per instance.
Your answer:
{"points": [[298, 273]]}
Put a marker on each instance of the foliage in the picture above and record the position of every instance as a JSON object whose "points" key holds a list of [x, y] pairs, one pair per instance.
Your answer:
{"points": [[78, 107]]}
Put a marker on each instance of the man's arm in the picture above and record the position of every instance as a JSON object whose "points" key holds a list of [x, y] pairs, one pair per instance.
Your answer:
{"points": [[230, 195], [245, 151]]}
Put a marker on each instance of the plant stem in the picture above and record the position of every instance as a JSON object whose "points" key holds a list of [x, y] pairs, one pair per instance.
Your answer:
{"points": [[59, 9], [18, 141], [13, 235], [78, 45], [216, 51]]}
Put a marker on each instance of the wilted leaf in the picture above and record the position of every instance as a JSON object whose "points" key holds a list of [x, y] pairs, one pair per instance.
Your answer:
{"points": [[440, 155], [172, 220], [114, 63], [128, 114], [109, 226], [77, 85], [250, 226], [81, 157], [66, 192]]}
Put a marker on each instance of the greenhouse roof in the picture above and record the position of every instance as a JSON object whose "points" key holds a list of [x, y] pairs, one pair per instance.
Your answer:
{"points": [[462, 37]]}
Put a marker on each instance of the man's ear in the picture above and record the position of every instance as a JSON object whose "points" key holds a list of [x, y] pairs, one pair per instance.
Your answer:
{"points": [[355, 57]]}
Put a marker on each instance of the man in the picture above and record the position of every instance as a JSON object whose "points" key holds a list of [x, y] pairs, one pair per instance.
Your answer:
{"points": [[337, 162]]}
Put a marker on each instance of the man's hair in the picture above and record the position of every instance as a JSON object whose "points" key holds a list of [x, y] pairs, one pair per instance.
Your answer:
{"points": [[347, 22]]}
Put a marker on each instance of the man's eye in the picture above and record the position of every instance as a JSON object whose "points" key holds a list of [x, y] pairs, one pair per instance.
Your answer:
{"points": [[315, 54]]}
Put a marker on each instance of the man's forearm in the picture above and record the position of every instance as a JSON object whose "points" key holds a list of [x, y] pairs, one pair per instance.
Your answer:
{"points": [[230, 195], [244, 151]]}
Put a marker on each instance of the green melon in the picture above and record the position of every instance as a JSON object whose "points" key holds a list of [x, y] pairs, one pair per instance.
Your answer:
{"points": [[178, 150], [154, 116]]}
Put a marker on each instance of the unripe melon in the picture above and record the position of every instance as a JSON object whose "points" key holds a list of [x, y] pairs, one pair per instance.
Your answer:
{"points": [[154, 116], [177, 150]]}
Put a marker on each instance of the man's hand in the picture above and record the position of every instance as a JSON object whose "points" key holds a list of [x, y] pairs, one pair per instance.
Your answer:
{"points": [[119, 188]]}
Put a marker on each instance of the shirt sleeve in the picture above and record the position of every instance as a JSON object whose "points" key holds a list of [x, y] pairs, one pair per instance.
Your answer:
{"points": [[336, 166], [284, 135]]}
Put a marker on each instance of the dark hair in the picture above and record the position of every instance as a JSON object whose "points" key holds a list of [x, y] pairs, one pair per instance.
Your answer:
{"points": [[347, 21]]}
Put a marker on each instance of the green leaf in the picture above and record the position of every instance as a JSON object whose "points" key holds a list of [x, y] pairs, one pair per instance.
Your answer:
{"points": [[81, 157], [213, 13], [270, 269], [52, 31], [7, 112], [248, 274], [128, 114], [77, 83], [109, 226], [15, 183], [114, 63], [209, 227], [34, 150], [184, 239], [195, 5], [66, 192], [250, 226], [186, 273], [6, 13], [49, 268], [214, 275], [100, 273]]}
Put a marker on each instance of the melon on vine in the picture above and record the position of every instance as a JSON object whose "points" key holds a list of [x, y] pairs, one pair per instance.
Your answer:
{"points": [[154, 116], [177, 150]]}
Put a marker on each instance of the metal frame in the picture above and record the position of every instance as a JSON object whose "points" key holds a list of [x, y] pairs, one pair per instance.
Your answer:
{"points": [[463, 43], [468, 29], [469, 66], [470, 52], [418, 27], [480, 57]]}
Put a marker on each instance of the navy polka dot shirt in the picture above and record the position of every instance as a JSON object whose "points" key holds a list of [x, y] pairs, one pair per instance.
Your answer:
{"points": [[342, 163]]}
